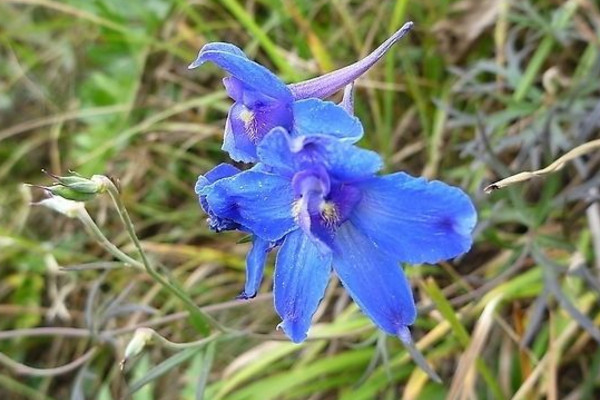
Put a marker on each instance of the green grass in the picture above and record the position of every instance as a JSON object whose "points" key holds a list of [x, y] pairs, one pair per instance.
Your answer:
{"points": [[103, 88]]}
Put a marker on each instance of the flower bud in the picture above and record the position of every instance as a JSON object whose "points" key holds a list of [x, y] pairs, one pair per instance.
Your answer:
{"points": [[141, 338], [69, 193], [76, 187]]}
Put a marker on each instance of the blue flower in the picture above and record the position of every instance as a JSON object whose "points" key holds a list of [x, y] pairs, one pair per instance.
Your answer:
{"points": [[215, 222], [262, 101], [257, 256], [322, 199]]}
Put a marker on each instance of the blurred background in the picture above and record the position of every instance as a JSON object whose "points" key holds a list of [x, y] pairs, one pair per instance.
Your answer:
{"points": [[479, 90]]}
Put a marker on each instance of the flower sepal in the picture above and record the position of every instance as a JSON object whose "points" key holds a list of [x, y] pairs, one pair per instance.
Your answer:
{"points": [[76, 187]]}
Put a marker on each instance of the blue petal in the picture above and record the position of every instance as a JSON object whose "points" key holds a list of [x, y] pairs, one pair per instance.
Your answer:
{"points": [[375, 281], [326, 85], [318, 117], [301, 276], [217, 46], [277, 151], [260, 202], [252, 74], [234, 88], [221, 171], [255, 266], [236, 141], [342, 160], [240, 139], [203, 183], [414, 220]]}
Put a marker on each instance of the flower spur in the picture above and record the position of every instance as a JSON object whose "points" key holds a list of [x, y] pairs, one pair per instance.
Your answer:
{"points": [[262, 101]]}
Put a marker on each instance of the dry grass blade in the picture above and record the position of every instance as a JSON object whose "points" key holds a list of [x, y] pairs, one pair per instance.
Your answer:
{"points": [[532, 379], [552, 283], [593, 217], [555, 166], [463, 385], [466, 22], [60, 118], [414, 385], [553, 362]]}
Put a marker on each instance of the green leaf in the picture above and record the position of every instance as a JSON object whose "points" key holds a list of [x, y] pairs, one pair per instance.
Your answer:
{"points": [[164, 367]]}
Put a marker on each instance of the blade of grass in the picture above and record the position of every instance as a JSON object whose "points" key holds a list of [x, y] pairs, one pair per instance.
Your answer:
{"points": [[551, 280], [464, 377], [274, 386], [317, 48], [543, 51], [210, 100], [563, 338], [207, 362], [435, 143], [11, 385], [445, 308], [164, 367], [248, 22], [398, 16], [254, 362]]}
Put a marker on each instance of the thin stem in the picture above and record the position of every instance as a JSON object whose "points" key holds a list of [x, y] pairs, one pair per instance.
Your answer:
{"points": [[107, 334], [144, 336], [124, 215], [180, 346], [23, 369], [45, 331], [93, 229]]}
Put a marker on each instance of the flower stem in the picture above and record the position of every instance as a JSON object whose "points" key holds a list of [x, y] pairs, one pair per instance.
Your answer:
{"points": [[93, 230], [23, 369], [202, 319], [180, 346]]}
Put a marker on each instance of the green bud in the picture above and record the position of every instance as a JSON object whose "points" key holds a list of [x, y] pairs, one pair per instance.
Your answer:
{"points": [[69, 193], [87, 187], [76, 187], [69, 180]]}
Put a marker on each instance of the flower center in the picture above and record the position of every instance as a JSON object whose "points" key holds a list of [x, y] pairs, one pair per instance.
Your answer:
{"points": [[249, 119], [321, 205], [329, 214]]}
